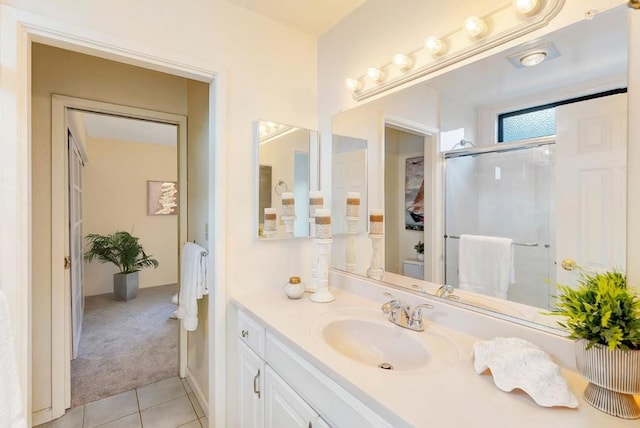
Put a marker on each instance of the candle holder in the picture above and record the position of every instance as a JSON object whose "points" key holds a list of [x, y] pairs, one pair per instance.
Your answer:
{"points": [[352, 226], [312, 286], [288, 224], [375, 271], [322, 294]]}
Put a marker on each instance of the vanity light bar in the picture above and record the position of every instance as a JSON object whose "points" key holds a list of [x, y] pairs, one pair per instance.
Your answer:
{"points": [[402, 68]]}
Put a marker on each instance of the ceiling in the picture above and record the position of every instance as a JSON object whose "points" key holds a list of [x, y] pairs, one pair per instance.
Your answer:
{"points": [[313, 17], [126, 129]]}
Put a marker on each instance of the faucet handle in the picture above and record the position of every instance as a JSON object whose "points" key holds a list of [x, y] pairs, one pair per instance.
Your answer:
{"points": [[416, 318], [392, 304]]}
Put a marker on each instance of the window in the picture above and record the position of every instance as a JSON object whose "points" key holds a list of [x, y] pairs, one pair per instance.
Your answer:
{"points": [[537, 121]]}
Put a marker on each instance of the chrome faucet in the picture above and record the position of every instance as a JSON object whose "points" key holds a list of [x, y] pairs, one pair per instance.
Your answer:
{"points": [[446, 291], [399, 313]]}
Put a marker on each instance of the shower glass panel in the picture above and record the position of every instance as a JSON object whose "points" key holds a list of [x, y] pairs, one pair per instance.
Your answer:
{"points": [[506, 194]]}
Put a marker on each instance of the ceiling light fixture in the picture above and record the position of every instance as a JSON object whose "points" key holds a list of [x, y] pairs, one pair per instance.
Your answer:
{"points": [[526, 7], [375, 74], [404, 62], [534, 58], [434, 45], [533, 55], [475, 27], [353, 84]]}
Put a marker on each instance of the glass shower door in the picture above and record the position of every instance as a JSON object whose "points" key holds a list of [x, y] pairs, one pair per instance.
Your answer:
{"points": [[508, 194]]}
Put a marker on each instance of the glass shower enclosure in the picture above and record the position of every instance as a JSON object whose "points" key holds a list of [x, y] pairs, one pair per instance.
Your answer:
{"points": [[505, 190]]}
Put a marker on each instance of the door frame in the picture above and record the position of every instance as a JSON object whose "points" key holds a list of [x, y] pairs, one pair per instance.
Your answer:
{"points": [[18, 29], [60, 292], [437, 176]]}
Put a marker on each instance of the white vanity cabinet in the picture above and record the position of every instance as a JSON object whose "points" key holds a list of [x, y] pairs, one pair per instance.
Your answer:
{"points": [[284, 408], [265, 399], [251, 387]]}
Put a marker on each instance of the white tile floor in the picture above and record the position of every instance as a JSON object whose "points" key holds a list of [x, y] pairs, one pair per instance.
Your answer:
{"points": [[169, 403]]}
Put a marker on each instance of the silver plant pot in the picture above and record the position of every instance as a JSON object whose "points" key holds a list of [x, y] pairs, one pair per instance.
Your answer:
{"points": [[125, 286], [614, 376]]}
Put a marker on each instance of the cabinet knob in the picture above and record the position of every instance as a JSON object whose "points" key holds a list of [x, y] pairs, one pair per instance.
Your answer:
{"points": [[245, 333]]}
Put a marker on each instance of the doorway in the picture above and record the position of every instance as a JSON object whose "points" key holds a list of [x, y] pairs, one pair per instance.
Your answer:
{"points": [[123, 345], [412, 189]]}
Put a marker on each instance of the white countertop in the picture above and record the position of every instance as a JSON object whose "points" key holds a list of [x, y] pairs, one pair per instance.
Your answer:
{"points": [[442, 396]]}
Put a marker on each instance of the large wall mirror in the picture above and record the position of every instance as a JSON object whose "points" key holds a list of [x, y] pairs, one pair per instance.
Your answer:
{"points": [[553, 182], [287, 170]]}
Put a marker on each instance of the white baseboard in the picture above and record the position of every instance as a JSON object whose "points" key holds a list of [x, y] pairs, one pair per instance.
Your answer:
{"points": [[197, 390], [41, 416]]}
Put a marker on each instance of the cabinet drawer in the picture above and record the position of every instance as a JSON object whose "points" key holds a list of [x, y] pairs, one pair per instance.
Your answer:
{"points": [[251, 333]]}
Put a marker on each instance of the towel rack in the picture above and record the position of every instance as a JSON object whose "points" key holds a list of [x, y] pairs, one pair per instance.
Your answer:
{"points": [[521, 244], [203, 253]]}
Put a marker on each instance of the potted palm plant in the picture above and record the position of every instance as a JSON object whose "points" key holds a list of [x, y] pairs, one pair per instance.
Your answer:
{"points": [[123, 250], [603, 315]]}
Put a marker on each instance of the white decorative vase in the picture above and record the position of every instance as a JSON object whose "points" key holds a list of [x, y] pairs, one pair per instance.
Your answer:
{"points": [[614, 376]]}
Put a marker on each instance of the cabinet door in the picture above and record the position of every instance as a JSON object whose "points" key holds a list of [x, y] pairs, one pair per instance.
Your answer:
{"points": [[251, 387], [284, 408]]}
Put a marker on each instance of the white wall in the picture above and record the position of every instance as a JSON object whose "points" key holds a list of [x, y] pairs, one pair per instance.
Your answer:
{"points": [[198, 228], [115, 198], [253, 53]]}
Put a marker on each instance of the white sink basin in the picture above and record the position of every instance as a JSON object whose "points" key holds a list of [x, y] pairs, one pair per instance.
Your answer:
{"points": [[366, 336]]}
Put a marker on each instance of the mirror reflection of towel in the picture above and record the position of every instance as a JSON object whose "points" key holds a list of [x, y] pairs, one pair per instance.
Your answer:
{"points": [[485, 265]]}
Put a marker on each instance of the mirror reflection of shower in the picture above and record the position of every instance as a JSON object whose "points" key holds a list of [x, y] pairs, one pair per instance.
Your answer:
{"points": [[505, 191]]}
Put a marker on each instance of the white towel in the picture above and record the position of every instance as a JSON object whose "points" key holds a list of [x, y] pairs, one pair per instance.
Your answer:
{"points": [[11, 414], [193, 284], [485, 265]]}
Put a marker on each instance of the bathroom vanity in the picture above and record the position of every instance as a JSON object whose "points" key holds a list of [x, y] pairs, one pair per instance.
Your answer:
{"points": [[314, 365]]}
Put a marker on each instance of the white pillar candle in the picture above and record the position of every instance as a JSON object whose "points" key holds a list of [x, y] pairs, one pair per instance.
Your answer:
{"points": [[376, 221], [323, 223], [269, 219], [288, 207], [316, 201], [353, 204]]}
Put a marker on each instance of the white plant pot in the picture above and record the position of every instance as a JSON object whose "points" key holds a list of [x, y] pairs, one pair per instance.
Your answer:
{"points": [[421, 257], [614, 376]]}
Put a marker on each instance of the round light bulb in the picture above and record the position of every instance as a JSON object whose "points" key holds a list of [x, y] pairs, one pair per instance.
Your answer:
{"points": [[353, 84], [533, 58], [474, 26], [526, 7], [375, 74], [434, 45], [404, 62]]}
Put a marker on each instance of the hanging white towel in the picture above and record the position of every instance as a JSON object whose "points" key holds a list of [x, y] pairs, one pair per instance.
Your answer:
{"points": [[11, 414], [193, 284], [485, 265]]}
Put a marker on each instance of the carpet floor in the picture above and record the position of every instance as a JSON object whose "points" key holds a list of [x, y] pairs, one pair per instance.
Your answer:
{"points": [[125, 345]]}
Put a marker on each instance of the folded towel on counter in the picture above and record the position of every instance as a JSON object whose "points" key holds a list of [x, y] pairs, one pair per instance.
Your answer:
{"points": [[193, 284], [485, 265], [11, 414]]}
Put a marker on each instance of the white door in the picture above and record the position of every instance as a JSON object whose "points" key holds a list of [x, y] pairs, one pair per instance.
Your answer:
{"points": [[284, 408], [75, 242], [251, 386], [591, 185]]}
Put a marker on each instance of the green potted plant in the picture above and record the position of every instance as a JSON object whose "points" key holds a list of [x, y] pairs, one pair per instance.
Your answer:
{"points": [[603, 315], [419, 247], [123, 250]]}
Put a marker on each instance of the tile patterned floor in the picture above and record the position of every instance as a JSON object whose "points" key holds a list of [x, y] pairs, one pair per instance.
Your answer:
{"points": [[169, 403]]}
